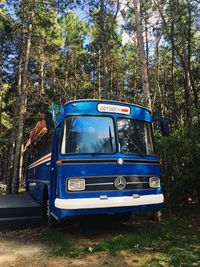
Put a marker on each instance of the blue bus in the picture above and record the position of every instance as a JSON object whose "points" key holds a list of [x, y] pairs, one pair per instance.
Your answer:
{"points": [[94, 157]]}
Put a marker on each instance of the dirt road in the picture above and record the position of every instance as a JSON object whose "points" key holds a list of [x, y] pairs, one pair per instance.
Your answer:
{"points": [[29, 247], [22, 248], [106, 241]]}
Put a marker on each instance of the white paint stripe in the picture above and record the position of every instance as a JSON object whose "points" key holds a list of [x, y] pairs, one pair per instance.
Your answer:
{"points": [[40, 161], [92, 203], [34, 165], [44, 157]]}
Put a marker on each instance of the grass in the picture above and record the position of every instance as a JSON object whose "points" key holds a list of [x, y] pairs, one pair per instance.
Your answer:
{"points": [[175, 242], [59, 245], [150, 235]]}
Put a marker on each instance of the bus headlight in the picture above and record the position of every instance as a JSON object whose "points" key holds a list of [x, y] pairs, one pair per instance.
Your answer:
{"points": [[154, 182], [76, 184]]}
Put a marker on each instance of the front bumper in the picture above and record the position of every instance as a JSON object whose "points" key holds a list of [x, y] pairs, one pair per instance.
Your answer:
{"points": [[110, 202]]}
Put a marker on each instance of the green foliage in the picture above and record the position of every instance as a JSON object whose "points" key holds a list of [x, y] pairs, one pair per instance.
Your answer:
{"points": [[6, 121], [73, 30], [180, 154], [71, 70]]}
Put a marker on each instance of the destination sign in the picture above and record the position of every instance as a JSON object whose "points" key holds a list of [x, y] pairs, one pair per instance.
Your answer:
{"points": [[113, 109]]}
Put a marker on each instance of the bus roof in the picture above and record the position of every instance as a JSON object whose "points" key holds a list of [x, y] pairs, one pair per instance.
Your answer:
{"points": [[102, 107], [105, 100]]}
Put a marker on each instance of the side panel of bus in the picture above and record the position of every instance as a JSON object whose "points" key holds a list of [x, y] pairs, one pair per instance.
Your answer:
{"points": [[39, 168]]}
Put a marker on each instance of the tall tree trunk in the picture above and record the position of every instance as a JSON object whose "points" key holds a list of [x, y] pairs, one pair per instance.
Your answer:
{"points": [[146, 39], [184, 59], [23, 106], [187, 58], [104, 60], [111, 83], [195, 93], [13, 133], [12, 151], [66, 78], [174, 104], [188, 100], [21, 181], [42, 92], [99, 75], [158, 93], [141, 53], [5, 164]]}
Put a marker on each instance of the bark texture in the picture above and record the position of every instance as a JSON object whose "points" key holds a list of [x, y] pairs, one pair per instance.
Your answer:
{"points": [[22, 108], [141, 53]]}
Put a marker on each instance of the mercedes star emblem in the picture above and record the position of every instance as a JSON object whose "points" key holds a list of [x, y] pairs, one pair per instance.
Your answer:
{"points": [[120, 161], [120, 182]]}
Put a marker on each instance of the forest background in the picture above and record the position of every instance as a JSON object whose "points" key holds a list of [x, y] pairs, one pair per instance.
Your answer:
{"points": [[145, 52]]}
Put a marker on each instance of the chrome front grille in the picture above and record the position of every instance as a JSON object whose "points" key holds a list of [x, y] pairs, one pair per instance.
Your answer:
{"points": [[106, 183]]}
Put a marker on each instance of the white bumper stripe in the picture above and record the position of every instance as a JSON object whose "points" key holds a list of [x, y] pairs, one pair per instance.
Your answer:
{"points": [[92, 203]]}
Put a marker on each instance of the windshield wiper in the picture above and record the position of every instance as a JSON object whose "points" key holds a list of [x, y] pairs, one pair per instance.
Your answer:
{"points": [[136, 147], [104, 144]]}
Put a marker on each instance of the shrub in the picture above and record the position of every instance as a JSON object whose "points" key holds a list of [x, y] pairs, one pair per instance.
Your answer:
{"points": [[180, 156]]}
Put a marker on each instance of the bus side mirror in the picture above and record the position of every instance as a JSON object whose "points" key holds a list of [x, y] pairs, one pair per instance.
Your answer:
{"points": [[164, 125]]}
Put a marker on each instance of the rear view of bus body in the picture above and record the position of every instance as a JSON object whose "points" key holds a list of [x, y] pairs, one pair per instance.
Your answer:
{"points": [[97, 158]]}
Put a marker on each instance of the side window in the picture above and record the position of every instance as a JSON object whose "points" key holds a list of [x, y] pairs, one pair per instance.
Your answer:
{"points": [[39, 147], [43, 142]]}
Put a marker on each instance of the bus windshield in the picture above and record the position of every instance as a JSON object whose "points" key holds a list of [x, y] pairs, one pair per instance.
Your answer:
{"points": [[88, 135], [96, 135], [135, 137]]}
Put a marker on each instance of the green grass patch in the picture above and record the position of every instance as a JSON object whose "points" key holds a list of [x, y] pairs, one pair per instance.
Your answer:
{"points": [[175, 242], [155, 262], [148, 236], [183, 257], [58, 244]]}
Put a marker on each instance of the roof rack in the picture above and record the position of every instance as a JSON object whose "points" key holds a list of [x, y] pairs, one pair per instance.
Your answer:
{"points": [[36, 133]]}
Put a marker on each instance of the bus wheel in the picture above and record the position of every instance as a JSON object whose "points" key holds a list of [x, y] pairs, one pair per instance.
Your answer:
{"points": [[51, 222], [124, 217]]}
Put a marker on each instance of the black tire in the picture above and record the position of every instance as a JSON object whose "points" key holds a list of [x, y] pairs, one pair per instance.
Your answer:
{"points": [[51, 222], [124, 217], [49, 219]]}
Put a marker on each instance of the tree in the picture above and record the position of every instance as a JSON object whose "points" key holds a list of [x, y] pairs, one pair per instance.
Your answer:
{"points": [[103, 16], [179, 29], [23, 96], [141, 53]]}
